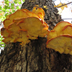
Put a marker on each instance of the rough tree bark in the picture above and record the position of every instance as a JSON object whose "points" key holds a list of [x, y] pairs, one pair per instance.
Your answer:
{"points": [[35, 57]]}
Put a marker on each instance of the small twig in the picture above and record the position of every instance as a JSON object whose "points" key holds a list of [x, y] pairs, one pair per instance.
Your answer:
{"points": [[64, 5], [67, 18]]}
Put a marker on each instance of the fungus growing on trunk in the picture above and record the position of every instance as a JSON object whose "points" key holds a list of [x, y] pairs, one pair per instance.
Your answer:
{"points": [[60, 38], [58, 29], [24, 25], [62, 44], [67, 30]]}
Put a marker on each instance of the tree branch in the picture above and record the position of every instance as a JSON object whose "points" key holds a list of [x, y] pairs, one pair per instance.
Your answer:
{"points": [[64, 4]]}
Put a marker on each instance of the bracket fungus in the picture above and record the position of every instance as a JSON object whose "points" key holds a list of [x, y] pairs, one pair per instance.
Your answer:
{"points": [[24, 25], [58, 29], [62, 44], [60, 38]]}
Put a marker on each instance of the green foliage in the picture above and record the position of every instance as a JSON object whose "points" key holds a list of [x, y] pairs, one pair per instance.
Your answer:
{"points": [[9, 8], [1, 43]]}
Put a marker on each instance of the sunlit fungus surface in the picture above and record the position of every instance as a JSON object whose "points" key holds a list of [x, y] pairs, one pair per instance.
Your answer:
{"points": [[24, 25], [60, 38]]}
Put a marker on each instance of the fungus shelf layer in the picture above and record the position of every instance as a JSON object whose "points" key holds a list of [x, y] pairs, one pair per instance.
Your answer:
{"points": [[24, 25], [60, 38], [62, 44]]}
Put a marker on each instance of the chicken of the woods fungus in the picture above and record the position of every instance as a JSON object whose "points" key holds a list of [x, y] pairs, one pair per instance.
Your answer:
{"points": [[24, 25], [60, 38]]}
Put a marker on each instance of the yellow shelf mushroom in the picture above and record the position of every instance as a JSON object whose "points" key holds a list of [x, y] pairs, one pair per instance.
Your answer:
{"points": [[24, 25], [62, 44], [60, 38]]}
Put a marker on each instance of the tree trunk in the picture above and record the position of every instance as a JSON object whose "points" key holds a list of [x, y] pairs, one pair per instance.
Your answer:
{"points": [[35, 57]]}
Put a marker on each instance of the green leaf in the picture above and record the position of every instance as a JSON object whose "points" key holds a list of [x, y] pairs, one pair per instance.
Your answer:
{"points": [[10, 12], [6, 14], [17, 7], [0, 36], [1, 17], [13, 10], [1, 39], [23, 0], [3, 9], [12, 4], [15, 1], [19, 2], [1, 42], [0, 11], [3, 45], [7, 10], [6, 2], [8, 7], [0, 7]]}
